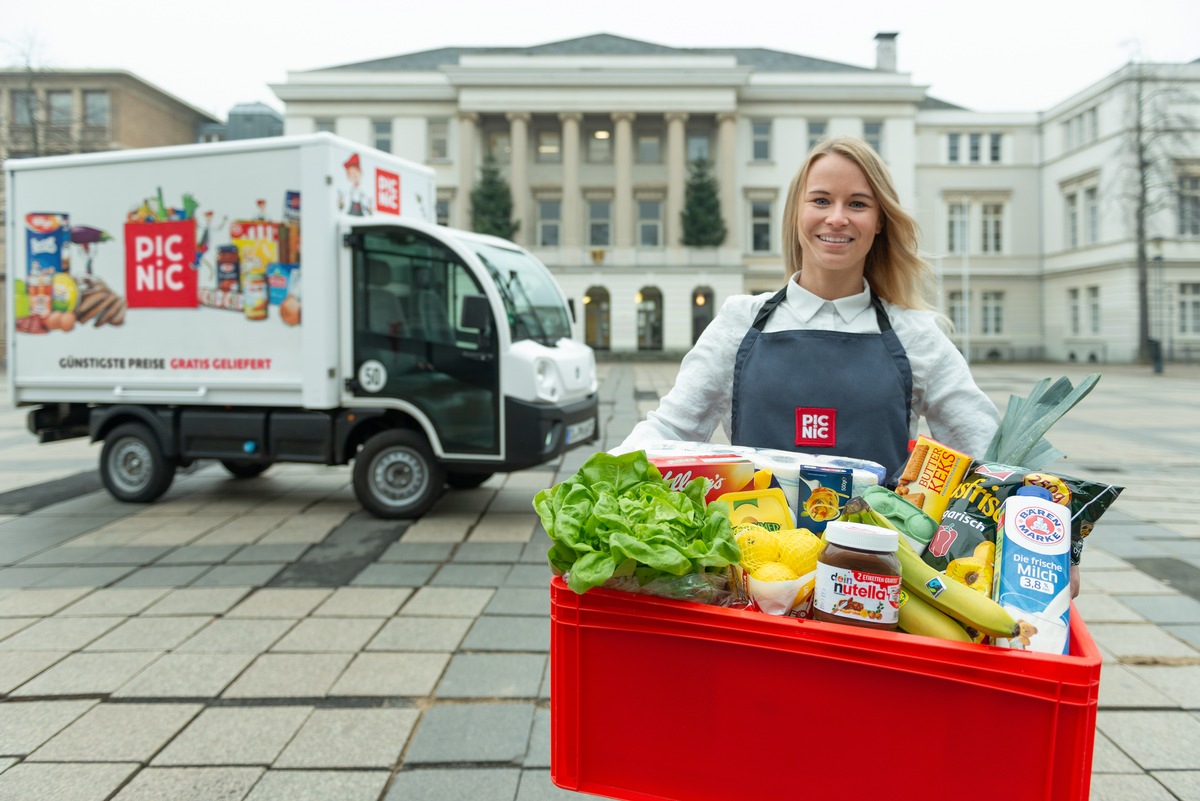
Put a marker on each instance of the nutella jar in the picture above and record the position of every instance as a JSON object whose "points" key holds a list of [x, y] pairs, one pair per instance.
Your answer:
{"points": [[858, 576]]}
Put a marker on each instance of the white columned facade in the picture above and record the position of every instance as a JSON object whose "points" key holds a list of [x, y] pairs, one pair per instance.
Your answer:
{"points": [[623, 182], [518, 136], [467, 135], [726, 175], [571, 211], [676, 171]]}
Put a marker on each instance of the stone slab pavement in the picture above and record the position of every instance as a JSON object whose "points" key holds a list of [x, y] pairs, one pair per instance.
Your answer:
{"points": [[266, 639]]}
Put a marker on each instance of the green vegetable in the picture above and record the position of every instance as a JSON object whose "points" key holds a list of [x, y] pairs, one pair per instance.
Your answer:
{"points": [[618, 517], [1019, 440]]}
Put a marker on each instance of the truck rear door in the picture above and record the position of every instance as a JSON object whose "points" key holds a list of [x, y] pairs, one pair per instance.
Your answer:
{"points": [[408, 344]]}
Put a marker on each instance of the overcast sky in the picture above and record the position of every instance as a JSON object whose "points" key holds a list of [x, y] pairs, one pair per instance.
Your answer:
{"points": [[1004, 55]]}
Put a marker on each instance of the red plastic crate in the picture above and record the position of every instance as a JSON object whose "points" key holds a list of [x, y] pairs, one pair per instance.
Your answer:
{"points": [[652, 699]]}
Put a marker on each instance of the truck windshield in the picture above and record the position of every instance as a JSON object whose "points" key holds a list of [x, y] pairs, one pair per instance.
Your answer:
{"points": [[531, 298]]}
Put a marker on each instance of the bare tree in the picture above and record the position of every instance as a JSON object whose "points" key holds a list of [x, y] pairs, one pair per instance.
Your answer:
{"points": [[1159, 136]]}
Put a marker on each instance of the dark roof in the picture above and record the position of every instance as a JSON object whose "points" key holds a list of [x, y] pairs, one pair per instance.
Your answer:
{"points": [[929, 103], [601, 44]]}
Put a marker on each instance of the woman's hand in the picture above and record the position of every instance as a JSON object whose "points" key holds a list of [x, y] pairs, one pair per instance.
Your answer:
{"points": [[1074, 580]]}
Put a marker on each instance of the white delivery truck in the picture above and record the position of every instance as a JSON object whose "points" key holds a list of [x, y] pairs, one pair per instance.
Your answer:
{"points": [[282, 300]]}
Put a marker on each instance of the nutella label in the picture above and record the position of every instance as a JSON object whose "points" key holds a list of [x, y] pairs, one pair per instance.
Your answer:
{"points": [[857, 594]]}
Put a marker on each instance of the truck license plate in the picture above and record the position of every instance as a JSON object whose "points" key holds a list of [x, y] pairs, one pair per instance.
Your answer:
{"points": [[577, 432]]}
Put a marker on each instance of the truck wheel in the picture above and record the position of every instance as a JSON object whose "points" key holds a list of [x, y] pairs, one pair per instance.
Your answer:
{"points": [[240, 469], [396, 475], [465, 481], [133, 466]]}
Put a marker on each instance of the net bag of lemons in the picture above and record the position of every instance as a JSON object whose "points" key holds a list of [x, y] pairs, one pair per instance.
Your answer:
{"points": [[778, 569]]}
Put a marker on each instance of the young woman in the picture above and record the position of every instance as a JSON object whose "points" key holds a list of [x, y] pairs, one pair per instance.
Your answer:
{"points": [[847, 357]]}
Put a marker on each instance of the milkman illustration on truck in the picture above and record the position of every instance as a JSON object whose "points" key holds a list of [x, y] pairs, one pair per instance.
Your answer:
{"points": [[423, 356]]}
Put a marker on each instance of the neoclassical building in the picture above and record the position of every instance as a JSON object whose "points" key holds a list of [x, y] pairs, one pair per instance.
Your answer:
{"points": [[1032, 245]]}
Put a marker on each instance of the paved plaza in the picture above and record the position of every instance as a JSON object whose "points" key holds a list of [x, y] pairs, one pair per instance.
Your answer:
{"points": [[268, 640]]}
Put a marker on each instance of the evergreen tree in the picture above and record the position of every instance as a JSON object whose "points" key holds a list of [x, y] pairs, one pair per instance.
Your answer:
{"points": [[491, 203], [702, 223]]}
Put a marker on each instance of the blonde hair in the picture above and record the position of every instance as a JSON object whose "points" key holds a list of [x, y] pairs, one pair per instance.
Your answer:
{"points": [[894, 268]]}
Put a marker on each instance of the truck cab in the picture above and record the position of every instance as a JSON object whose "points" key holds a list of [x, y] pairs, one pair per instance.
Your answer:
{"points": [[460, 346]]}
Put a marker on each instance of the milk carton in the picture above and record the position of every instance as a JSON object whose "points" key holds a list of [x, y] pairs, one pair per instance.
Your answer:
{"points": [[1032, 578]]}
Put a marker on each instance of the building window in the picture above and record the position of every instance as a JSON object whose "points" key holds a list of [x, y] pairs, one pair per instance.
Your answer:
{"points": [[442, 209], [500, 146], [1073, 220], [1093, 293], [974, 144], [994, 147], [816, 132], [549, 147], [953, 142], [1091, 210], [1073, 305], [599, 223], [599, 147], [760, 226], [438, 132], [697, 147], [549, 222], [1189, 205], [23, 104], [649, 223], [381, 135], [1189, 308], [61, 110], [993, 216], [324, 126], [649, 149], [956, 230], [957, 311], [873, 134], [993, 312], [760, 141], [95, 109]]}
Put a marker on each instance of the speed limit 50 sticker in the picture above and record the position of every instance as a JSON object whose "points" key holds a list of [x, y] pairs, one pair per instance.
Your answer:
{"points": [[372, 376]]}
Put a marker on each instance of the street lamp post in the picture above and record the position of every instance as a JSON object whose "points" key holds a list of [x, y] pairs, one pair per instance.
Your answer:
{"points": [[966, 277], [1160, 289]]}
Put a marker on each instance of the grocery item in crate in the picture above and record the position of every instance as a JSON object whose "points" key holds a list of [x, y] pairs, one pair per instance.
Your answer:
{"points": [[1019, 439], [617, 517], [929, 477], [1033, 570], [974, 510], [820, 494], [858, 576], [724, 472], [784, 465], [913, 524], [777, 570], [765, 507]]}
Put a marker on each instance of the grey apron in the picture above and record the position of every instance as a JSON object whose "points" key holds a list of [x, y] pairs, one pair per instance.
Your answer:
{"points": [[823, 391]]}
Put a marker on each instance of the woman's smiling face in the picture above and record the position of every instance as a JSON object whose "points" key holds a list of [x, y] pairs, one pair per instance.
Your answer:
{"points": [[839, 219]]}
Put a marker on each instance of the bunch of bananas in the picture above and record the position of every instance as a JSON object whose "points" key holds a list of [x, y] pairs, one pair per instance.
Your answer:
{"points": [[936, 606]]}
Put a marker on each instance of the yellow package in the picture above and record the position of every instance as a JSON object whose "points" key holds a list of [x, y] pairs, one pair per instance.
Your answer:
{"points": [[932, 472], [766, 507]]}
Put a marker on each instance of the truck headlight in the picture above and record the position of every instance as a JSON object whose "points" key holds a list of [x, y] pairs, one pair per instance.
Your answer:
{"points": [[549, 387]]}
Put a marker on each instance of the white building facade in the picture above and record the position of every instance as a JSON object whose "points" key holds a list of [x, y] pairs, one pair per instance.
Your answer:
{"points": [[595, 137]]}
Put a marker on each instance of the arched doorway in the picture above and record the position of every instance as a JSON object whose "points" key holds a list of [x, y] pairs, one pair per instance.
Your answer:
{"points": [[649, 318], [702, 310], [596, 318]]}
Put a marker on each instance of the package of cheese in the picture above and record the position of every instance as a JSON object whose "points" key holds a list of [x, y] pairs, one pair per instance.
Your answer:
{"points": [[932, 472]]}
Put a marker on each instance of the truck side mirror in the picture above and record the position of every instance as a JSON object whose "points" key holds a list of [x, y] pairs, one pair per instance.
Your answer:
{"points": [[476, 313]]}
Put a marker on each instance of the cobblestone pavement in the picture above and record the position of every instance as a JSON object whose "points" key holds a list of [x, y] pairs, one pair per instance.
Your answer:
{"points": [[266, 639]]}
